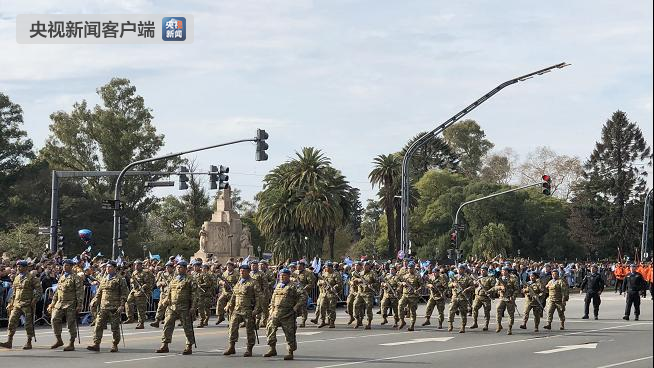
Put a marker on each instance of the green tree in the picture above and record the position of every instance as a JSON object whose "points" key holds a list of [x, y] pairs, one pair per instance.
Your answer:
{"points": [[435, 154], [493, 240], [468, 142], [386, 175]]}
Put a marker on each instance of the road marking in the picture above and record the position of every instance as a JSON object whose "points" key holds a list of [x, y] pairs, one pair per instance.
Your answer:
{"points": [[137, 359], [417, 341], [560, 349], [308, 333], [627, 362], [477, 346]]}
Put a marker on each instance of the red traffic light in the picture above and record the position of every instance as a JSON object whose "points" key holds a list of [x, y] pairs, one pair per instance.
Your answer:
{"points": [[547, 178]]}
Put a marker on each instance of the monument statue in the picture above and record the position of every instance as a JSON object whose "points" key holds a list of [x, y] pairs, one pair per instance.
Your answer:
{"points": [[203, 239]]}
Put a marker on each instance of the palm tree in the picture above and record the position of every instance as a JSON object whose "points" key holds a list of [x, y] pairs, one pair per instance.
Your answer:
{"points": [[386, 175]]}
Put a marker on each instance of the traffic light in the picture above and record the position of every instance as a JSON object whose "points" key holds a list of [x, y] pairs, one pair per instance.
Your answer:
{"points": [[453, 239], [60, 240], [123, 227], [183, 178], [262, 146], [213, 177], [547, 185], [223, 177]]}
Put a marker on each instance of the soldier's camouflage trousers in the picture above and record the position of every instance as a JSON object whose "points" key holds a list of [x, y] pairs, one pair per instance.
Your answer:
{"points": [[351, 300], [263, 316], [538, 313], [236, 318], [104, 316], [478, 303], [141, 303], [319, 304], [14, 318], [363, 306], [440, 306], [509, 306], [57, 321], [221, 303], [184, 316], [161, 309], [461, 305], [559, 307], [410, 303], [304, 297], [328, 308], [204, 308], [390, 302], [289, 327]]}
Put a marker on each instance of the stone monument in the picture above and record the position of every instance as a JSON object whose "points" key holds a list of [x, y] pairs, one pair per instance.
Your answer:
{"points": [[224, 236]]}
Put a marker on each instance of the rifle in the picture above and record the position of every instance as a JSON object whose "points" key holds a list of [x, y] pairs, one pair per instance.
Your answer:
{"points": [[331, 287], [366, 284], [486, 291], [227, 284], [504, 285], [533, 295], [460, 290]]}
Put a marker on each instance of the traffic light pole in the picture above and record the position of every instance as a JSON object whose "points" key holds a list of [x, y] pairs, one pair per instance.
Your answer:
{"points": [[647, 212], [121, 175], [427, 137], [456, 217]]}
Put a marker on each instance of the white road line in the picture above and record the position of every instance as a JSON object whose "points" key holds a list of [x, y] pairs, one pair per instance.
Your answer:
{"points": [[476, 347], [137, 359], [627, 362], [417, 341], [560, 349]]}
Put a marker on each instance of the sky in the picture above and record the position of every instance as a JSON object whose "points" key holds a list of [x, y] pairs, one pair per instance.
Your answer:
{"points": [[354, 79]]}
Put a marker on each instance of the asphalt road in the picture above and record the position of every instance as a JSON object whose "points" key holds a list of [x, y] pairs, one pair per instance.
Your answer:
{"points": [[608, 342]]}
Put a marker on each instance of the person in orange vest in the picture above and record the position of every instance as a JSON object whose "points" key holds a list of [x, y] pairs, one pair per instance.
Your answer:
{"points": [[619, 274]]}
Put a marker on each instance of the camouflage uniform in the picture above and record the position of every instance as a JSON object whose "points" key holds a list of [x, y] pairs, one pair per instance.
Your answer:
{"points": [[508, 288], [305, 280], [163, 281], [267, 295], [557, 296], [436, 299], [459, 286], [390, 300], [534, 291], [182, 294], [111, 295], [330, 285], [410, 296], [485, 285], [262, 281], [244, 304], [284, 305], [352, 296], [142, 282], [366, 283], [206, 288], [229, 280], [68, 297], [27, 292]]}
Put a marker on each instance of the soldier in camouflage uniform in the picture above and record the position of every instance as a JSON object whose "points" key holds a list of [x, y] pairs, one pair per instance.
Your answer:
{"points": [[507, 287], [437, 285], [243, 306], [262, 281], [485, 284], [330, 285], [366, 283], [392, 290], [182, 293], [558, 295], [163, 280], [142, 282], [534, 292], [206, 288], [411, 284], [111, 296], [284, 306], [27, 292], [459, 285], [66, 301], [352, 295], [305, 280], [228, 279], [267, 292]]}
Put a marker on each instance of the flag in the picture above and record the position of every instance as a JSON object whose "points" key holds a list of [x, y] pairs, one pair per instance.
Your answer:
{"points": [[316, 265], [348, 261], [88, 249], [87, 266], [99, 254], [246, 261], [400, 254], [119, 261], [149, 254], [75, 259], [178, 258]]}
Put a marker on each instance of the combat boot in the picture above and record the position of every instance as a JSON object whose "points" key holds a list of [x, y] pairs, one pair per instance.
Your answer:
{"points": [[412, 326], [450, 327], [585, 316], [188, 350], [427, 322], [248, 351], [510, 331], [8, 343], [440, 324], [220, 319], [94, 347], [474, 325], [71, 346], [231, 350], [201, 325], [303, 324], [523, 326], [155, 324], [58, 343], [331, 324], [139, 326], [351, 320], [402, 324], [485, 326], [463, 329], [535, 328], [499, 327], [314, 321], [163, 348], [385, 321], [359, 323], [129, 321], [271, 352], [548, 326], [289, 356], [368, 325], [562, 326], [28, 344], [114, 348], [322, 324]]}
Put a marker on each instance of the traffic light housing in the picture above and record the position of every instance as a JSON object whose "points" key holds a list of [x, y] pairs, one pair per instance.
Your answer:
{"points": [[123, 227], [547, 185], [453, 236], [223, 178], [262, 146], [60, 240], [183, 178]]}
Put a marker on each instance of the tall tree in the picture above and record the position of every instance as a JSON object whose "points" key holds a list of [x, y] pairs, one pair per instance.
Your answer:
{"points": [[435, 154], [565, 171], [499, 167], [469, 142], [386, 175], [616, 174]]}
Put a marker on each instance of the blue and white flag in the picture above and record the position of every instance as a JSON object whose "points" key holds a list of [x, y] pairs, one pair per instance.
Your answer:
{"points": [[400, 254], [75, 259], [246, 261], [88, 249], [316, 264], [178, 258], [348, 261], [99, 254], [119, 261]]}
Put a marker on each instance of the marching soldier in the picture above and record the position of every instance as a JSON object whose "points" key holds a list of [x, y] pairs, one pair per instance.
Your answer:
{"points": [[632, 286], [111, 296], [206, 287], [67, 300], [507, 288], [330, 285], [242, 307], [411, 285], [262, 282], [352, 295], [305, 279], [557, 290], [366, 284], [460, 284], [391, 285], [594, 285], [485, 285], [437, 284], [182, 294], [267, 291], [534, 292], [141, 282], [227, 281], [284, 305], [163, 280], [321, 298], [27, 292]]}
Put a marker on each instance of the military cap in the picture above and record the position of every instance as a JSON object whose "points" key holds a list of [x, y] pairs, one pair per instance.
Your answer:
{"points": [[411, 265], [462, 265], [244, 267], [169, 263], [329, 264], [111, 263], [69, 261], [182, 263], [263, 261], [254, 261], [196, 263], [21, 263], [285, 271], [206, 265], [484, 267], [292, 264]]}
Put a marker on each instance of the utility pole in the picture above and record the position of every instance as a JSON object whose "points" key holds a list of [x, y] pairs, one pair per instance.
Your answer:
{"points": [[644, 240], [427, 137]]}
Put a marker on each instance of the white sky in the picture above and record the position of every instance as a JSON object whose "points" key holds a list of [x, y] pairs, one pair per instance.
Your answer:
{"points": [[352, 78]]}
